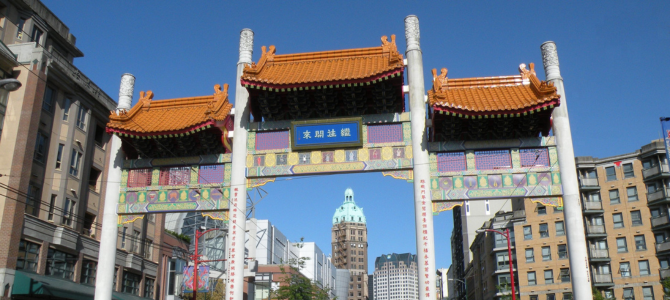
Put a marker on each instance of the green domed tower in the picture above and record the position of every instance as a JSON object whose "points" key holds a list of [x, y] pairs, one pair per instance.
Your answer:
{"points": [[350, 244]]}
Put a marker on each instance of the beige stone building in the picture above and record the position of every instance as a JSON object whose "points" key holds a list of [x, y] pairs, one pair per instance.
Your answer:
{"points": [[624, 200], [53, 167], [349, 237]]}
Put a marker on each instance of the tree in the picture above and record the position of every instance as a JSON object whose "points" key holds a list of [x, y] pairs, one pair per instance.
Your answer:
{"points": [[295, 286], [506, 290], [666, 287]]}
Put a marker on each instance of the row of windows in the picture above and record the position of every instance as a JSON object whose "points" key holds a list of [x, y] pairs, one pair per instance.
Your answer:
{"points": [[544, 230], [566, 296], [61, 264], [562, 252], [618, 221], [563, 276], [615, 198]]}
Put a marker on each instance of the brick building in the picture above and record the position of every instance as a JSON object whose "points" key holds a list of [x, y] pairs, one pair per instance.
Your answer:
{"points": [[53, 169]]}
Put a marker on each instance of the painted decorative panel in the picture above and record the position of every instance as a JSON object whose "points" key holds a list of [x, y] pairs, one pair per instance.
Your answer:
{"points": [[451, 162], [494, 186], [272, 140], [211, 174], [492, 159], [388, 133], [531, 157]]}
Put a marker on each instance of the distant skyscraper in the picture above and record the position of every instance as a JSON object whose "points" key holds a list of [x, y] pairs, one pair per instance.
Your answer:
{"points": [[396, 277], [350, 245]]}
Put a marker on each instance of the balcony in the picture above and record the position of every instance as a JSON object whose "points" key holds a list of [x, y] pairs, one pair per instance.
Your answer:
{"points": [[595, 231], [659, 222], [599, 255], [656, 172], [662, 247], [593, 207], [658, 197], [665, 273], [602, 280], [588, 184]]}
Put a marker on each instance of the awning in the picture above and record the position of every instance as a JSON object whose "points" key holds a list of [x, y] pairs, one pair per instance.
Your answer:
{"points": [[33, 286]]}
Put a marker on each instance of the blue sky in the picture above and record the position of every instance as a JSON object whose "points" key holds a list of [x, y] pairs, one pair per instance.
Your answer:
{"points": [[613, 56]]}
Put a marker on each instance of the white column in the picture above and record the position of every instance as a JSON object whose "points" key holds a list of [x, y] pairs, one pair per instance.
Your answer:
{"points": [[238, 181], [425, 246], [574, 220], [107, 256]]}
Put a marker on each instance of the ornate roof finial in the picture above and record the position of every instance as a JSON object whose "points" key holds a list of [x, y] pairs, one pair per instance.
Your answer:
{"points": [[440, 81]]}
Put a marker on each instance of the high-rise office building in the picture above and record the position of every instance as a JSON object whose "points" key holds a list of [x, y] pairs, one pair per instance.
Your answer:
{"points": [[350, 245], [396, 277]]}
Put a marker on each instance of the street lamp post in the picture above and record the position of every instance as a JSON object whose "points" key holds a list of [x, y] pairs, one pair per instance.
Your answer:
{"points": [[196, 261], [509, 253]]}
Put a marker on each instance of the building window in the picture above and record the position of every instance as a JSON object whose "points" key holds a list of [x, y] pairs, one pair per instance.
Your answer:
{"points": [[41, 148], [52, 205], [530, 256], [628, 171], [531, 278], [546, 253], [560, 228], [136, 241], [617, 219], [148, 246], [139, 177], [75, 161], [81, 117], [628, 294], [632, 194], [541, 209], [59, 156], [37, 35], [544, 230], [614, 197], [68, 211], [636, 218], [33, 200], [527, 233], [565, 275], [551, 297], [48, 102], [621, 245], [149, 287], [647, 293], [567, 296], [131, 283], [60, 264], [548, 276], [19, 28], [175, 176], [640, 243], [644, 267], [93, 177], [502, 260], [123, 237], [66, 109], [611, 173], [29, 254], [624, 269], [88, 272], [467, 207], [488, 207], [562, 251]]}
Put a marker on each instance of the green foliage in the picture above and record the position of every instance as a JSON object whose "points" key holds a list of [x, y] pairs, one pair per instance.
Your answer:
{"points": [[295, 286], [505, 290], [666, 286], [185, 238]]}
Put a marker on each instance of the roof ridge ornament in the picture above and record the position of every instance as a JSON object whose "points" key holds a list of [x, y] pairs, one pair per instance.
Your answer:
{"points": [[145, 99], [267, 55], [391, 49]]}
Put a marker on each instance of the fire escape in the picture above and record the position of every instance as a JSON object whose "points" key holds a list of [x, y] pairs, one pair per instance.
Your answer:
{"points": [[341, 242]]}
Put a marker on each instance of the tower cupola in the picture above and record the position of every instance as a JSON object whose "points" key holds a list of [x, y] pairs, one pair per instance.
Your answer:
{"points": [[349, 211]]}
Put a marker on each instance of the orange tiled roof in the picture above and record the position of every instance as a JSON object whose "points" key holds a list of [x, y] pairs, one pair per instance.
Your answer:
{"points": [[173, 116], [324, 68], [492, 95]]}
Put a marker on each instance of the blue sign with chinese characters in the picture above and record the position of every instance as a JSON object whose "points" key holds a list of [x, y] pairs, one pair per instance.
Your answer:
{"points": [[329, 134]]}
